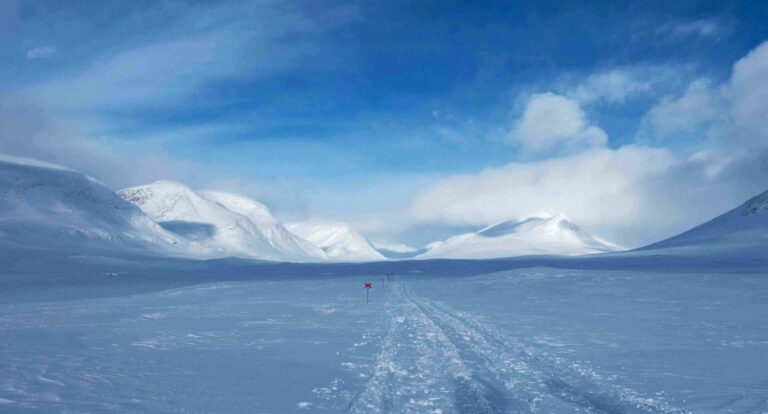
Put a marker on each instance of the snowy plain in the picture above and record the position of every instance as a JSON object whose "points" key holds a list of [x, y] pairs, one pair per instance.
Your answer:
{"points": [[96, 333]]}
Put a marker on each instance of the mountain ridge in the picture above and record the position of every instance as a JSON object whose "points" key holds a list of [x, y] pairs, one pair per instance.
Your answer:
{"points": [[532, 235]]}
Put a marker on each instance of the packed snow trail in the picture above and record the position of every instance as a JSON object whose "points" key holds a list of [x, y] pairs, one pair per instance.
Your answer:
{"points": [[418, 368], [434, 359]]}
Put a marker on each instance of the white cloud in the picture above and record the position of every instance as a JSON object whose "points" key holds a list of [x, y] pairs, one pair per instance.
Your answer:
{"points": [[632, 196], [554, 123], [703, 28], [671, 115], [619, 84], [748, 92], [209, 44], [119, 163], [732, 114], [41, 52], [613, 86], [635, 194], [596, 183]]}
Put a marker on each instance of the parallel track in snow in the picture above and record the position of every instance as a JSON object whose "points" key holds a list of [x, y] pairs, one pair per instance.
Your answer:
{"points": [[434, 359]]}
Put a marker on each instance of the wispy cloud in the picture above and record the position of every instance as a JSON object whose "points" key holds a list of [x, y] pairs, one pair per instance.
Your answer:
{"points": [[708, 28], [233, 41], [41, 52], [620, 84]]}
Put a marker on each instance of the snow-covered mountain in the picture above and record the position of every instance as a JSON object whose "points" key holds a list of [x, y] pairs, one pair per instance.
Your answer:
{"points": [[47, 206], [398, 251], [535, 235], [339, 241], [226, 224], [275, 232], [746, 226]]}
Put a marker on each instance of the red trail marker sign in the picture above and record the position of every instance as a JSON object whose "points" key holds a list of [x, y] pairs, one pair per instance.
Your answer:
{"points": [[367, 289]]}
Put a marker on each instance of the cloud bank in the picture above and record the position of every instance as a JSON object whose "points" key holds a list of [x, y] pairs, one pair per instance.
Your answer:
{"points": [[634, 194]]}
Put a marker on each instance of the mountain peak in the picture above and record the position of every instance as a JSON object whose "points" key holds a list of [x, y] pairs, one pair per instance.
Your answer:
{"points": [[223, 223], [339, 240], [552, 234]]}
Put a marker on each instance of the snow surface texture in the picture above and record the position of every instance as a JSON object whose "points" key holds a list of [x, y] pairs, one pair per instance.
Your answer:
{"points": [[746, 226], [339, 241], [533, 340], [226, 224], [47, 206], [532, 236]]}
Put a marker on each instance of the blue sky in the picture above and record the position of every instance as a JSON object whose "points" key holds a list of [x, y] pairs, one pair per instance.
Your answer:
{"points": [[369, 112]]}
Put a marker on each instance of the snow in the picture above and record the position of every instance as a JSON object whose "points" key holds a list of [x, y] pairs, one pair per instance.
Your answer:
{"points": [[247, 231], [218, 336], [44, 205], [398, 251], [91, 322], [397, 248], [277, 234], [534, 235], [744, 227], [339, 241]]}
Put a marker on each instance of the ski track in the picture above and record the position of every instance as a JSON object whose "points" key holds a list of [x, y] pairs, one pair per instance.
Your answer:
{"points": [[434, 359]]}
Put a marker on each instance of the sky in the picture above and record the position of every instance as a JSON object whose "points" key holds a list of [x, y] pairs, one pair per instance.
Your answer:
{"points": [[411, 120]]}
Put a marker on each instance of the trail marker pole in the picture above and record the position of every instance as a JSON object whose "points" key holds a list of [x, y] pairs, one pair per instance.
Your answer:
{"points": [[367, 289]]}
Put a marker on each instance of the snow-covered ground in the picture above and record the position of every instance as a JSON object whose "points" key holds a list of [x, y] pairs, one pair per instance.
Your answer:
{"points": [[102, 309], [117, 335]]}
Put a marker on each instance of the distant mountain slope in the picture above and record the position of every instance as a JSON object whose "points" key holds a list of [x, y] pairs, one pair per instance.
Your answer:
{"points": [[211, 223], [44, 205], [275, 232], [339, 241], [398, 251], [744, 226], [536, 235]]}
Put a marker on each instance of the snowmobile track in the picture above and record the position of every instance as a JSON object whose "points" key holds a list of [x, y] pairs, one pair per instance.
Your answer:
{"points": [[434, 359]]}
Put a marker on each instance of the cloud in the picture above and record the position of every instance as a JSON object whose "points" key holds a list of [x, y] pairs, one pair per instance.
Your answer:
{"points": [[619, 84], [632, 196], [748, 92], [708, 28], [170, 69], [28, 132], [41, 52], [594, 186], [686, 113], [553, 122], [242, 41], [635, 194], [731, 115]]}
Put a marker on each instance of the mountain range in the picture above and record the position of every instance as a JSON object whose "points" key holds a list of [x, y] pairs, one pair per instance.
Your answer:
{"points": [[45, 206]]}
